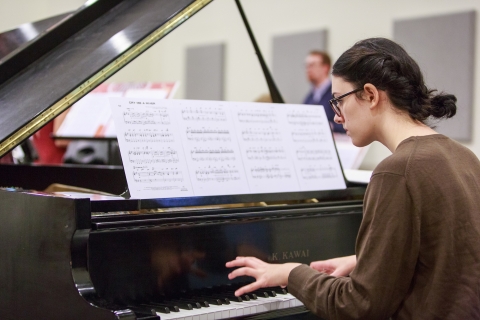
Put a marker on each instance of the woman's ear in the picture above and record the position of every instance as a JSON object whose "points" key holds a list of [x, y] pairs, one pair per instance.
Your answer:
{"points": [[371, 95]]}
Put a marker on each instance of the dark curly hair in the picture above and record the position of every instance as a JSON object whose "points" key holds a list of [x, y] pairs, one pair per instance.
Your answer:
{"points": [[386, 65]]}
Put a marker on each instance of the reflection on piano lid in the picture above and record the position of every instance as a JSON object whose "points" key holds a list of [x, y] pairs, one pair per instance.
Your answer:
{"points": [[14, 40], [76, 256]]}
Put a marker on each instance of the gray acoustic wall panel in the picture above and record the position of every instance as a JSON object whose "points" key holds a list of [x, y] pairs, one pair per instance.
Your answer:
{"points": [[205, 72], [444, 47], [288, 69]]}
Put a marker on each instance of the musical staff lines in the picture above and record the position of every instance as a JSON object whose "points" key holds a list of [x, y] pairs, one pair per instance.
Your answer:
{"points": [[266, 153], [162, 175], [318, 172], [305, 118], [212, 154], [154, 117], [222, 174], [304, 154], [257, 116], [270, 172], [204, 114], [261, 134], [208, 134], [153, 156], [184, 148], [149, 136], [308, 136]]}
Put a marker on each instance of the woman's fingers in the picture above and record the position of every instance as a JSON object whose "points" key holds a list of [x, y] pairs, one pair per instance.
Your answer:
{"points": [[243, 261], [244, 271], [248, 288]]}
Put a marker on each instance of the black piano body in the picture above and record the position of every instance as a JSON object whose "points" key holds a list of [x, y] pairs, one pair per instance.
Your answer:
{"points": [[99, 257], [82, 258]]}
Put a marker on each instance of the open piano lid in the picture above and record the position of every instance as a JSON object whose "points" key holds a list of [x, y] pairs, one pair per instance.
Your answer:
{"points": [[45, 76]]}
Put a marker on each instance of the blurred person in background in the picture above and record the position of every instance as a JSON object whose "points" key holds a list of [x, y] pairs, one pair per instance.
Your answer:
{"points": [[318, 64]]}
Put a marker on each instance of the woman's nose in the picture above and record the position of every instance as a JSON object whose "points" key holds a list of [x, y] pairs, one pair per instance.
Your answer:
{"points": [[338, 119]]}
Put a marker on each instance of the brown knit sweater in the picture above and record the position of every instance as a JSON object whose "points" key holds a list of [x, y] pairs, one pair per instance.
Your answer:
{"points": [[418, 247]]}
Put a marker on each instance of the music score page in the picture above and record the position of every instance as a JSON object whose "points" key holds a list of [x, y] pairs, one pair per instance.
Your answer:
{"points": [[184, 148]]}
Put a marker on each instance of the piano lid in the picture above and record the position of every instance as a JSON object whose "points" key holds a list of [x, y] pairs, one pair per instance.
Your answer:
{"points": [[43, 77], [14, 40]]}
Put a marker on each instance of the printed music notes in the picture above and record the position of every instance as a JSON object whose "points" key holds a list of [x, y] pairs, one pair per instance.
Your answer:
{"points": [[265, 153], [156, 117], [153, 156], [261, 134], [257, 116], [212, 155], [148, 136], [208, 134], [219, 174], [304, 154], [149, 176], [209, 114], [178, 148]]}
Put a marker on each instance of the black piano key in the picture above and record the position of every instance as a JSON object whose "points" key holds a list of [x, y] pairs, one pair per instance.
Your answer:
{"points": [[142, 310], [222, 299], [194, 298], [180, 304], [280, 290], [270, 292], [214, 301], [203, 302], [262, 294], [212, 297], [246, 297], [164, 304], [227, 297], [195, 303], [233, 297], [158, 308], [144, 313]]}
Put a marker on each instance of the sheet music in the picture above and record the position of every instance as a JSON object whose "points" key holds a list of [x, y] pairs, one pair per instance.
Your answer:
{"points": [[178, 148], [88, 117], [91, 116]]}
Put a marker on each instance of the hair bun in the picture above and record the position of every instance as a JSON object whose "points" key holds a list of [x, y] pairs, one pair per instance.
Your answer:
{"points": [[443, 105]]}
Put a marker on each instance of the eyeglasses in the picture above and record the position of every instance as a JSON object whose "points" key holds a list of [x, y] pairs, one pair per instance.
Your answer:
{"points": [[334, 101]]}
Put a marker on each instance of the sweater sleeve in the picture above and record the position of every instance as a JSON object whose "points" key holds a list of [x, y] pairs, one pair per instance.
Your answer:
{"points": [[387, 249]]}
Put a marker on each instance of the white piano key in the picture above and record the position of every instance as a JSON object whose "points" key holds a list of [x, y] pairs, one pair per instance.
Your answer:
{"points": [[205, 313], [242, 308], [235, 309]]}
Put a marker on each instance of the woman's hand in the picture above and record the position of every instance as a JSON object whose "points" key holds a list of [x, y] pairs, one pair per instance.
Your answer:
{"points": [[338, 267], [265, 274]]}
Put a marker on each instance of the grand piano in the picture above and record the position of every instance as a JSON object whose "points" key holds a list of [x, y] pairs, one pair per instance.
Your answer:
{"points": [[97, 256]]}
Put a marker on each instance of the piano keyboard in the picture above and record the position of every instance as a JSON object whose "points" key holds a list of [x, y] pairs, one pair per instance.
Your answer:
{"points": [[224, 308]]}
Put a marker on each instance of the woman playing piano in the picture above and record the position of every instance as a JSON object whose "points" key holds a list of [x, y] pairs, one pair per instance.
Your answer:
{"points": [[418, 247]]}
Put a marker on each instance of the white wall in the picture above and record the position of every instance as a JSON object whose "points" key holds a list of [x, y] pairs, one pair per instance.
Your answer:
{"points": [[347, 21]]}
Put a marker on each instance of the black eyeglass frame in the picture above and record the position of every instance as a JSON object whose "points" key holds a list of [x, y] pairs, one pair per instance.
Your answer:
{"points": [[334, 101]]}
